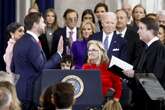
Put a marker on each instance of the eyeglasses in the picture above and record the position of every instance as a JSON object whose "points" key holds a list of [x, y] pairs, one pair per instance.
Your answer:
{"points": [[93, 50]]}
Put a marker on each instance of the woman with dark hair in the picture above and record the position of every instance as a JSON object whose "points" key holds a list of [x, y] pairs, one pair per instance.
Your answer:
{"points": [[138, 12], [51, 27], [88, 15], [99, 10], [14, 32], [161, 33]]}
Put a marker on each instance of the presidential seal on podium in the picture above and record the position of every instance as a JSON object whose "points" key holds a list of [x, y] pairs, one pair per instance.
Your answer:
{"points": [[77, 84]]}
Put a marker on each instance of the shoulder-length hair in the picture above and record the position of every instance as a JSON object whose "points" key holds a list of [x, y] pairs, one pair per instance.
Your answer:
{"points": [[104, 57], [90, 12], [82, 26]]}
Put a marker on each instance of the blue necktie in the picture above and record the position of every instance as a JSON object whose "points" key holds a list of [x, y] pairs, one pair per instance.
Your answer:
{"points": [[106, 43]]}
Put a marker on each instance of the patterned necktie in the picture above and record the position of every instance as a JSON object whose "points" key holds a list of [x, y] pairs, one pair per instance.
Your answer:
{"points": [[69, 43], [106, 42], [70, 38]]}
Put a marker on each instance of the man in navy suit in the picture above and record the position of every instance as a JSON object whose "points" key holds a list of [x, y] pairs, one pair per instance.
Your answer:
{"points": [[114, 44], [29, 59]]}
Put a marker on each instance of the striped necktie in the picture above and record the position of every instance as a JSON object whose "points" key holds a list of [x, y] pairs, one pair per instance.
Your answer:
{"points": [[70, 38], [106, 42]]}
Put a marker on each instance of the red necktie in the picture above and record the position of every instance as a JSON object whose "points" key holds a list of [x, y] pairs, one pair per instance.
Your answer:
{"points": [[39, 43]]}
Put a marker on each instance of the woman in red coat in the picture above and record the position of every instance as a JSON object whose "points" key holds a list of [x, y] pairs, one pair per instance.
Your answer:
{"points": [[98, 60]]}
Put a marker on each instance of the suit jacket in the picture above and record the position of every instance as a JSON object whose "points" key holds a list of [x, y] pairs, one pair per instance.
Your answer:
{"points": [[28, 61], [57, 36], [134, 45], [117, 47], [44, 42], [153, 61], [45, 47]]}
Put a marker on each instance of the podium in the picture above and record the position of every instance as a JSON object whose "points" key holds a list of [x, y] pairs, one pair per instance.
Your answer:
{"points": [[87, 83], [152, 87]]}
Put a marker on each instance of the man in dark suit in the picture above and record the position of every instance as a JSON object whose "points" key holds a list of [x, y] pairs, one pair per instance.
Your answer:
{"points": [[29, 59], [135, 48], [69, 32], [151, 61], [114, 44], [134, 44]]}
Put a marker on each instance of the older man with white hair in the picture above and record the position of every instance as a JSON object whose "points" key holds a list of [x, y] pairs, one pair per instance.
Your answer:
{"points": [[113, 43]]}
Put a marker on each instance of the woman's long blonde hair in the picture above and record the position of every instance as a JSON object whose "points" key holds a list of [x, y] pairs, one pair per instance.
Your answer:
{"points": [[15, 105], [112, 105], [104, 57]]}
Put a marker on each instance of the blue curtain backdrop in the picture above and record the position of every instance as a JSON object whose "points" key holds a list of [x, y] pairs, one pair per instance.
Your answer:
{"points": [[44, 4], [7, 15]]}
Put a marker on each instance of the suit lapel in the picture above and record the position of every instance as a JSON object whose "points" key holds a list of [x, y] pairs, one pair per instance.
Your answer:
{"points": [[113, 43], [100, 38], [40, 48]]}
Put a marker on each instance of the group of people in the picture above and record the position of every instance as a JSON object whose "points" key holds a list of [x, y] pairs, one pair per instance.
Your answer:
{"points": [[51, 99], [131, 35]]}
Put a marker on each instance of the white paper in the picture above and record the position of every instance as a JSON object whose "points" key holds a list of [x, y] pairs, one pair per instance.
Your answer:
{"points": [[120, 63]]}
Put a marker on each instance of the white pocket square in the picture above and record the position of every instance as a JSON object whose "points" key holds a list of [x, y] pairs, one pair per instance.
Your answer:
{"points": [[115, 49]]}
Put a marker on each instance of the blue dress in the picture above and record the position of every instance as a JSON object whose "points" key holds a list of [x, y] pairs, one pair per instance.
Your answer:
{"points": [[79, 52]]}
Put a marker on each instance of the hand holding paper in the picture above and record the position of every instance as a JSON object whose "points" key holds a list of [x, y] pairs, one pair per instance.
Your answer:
{"points": [[120, 63], [121, 68], [129, 73]]}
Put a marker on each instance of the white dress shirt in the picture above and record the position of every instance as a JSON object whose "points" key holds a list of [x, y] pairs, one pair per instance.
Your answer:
{"points": [[109, 38], [153, 40], [122, 32], [74, 35], [33, 35]]}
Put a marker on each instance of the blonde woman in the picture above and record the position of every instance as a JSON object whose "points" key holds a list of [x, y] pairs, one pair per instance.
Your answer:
{"points": [[98, 60], [15, 105], [87, 29]]}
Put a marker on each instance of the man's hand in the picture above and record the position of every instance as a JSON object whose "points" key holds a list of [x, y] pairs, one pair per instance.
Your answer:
{"points": [[129, 73]]}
